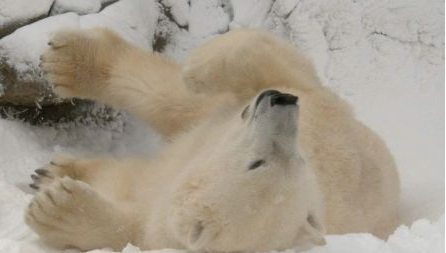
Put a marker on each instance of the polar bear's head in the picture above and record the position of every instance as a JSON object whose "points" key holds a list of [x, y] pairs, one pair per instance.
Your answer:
{"points": [[248, 187]]}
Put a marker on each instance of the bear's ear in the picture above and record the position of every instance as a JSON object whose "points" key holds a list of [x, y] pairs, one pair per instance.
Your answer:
{"points": [[200, 235], [319, 228], [313, 230]]}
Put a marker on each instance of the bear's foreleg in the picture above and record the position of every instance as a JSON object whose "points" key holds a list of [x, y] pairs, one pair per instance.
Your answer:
{"points": [[98, 64]]}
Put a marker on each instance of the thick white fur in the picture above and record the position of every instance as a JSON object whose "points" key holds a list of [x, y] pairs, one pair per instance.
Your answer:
{"points": [[323, 171]]}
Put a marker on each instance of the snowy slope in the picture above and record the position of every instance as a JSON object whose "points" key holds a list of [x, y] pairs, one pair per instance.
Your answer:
{"points": [[385, 57]]}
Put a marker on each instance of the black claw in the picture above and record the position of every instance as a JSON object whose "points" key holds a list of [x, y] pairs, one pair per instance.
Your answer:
{"points": [[50, 43], [41, 172], [34, 177], [34, 186], [53, 163]]}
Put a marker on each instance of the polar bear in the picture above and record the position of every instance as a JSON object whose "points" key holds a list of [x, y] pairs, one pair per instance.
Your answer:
{"points": [[259, 155]]}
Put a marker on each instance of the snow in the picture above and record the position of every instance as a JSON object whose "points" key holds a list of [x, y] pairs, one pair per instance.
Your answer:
{"points": [[422, 236], [179, 10], [385, 57], [250, 13], [13, 12]]}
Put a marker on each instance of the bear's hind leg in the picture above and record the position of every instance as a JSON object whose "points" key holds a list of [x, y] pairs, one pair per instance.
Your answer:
{"points": [[244, 62], [70, 213], [112, 178]]}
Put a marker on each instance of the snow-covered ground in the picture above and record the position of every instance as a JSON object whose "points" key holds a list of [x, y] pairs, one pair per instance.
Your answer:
{"points": [[385, 57]]}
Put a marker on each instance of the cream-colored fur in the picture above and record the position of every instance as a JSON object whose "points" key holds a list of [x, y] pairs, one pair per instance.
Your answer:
{"points": [[319, 169]]}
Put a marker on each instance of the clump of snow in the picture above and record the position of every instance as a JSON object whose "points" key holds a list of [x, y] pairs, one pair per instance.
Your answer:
{"points": [[78, 6]]}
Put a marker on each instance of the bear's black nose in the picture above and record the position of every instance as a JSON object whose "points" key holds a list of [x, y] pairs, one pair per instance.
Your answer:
{"points": [[283, 99], [277, 98]]}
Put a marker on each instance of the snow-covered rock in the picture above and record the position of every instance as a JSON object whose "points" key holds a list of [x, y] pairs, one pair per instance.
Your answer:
{"points": [[208, 17], [20, 51], [78, 6], [179, 9], [134, 20], [16, 13], [249, 13], [107, 2]]}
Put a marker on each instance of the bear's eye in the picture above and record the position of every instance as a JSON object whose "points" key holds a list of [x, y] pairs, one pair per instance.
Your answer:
{"points": [[244, 112], [256, 164]]}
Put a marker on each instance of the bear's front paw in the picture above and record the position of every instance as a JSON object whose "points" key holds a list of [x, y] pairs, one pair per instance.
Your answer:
{"points": [[78, 62], [60, 166], [64, 211]]}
